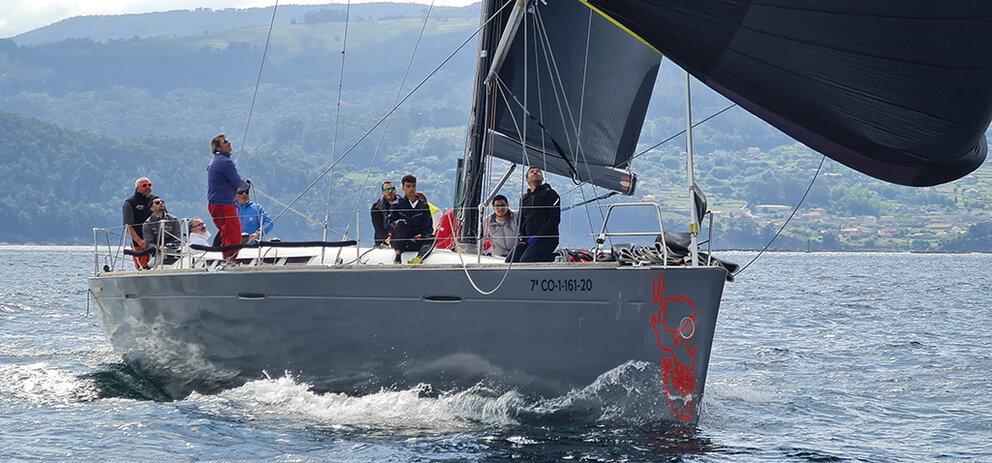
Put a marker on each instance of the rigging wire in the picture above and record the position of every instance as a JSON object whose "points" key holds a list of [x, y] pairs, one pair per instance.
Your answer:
{"points": [[295, 211], [258, 80], [385, 128], [337, 118], [711, 116], [794, 210], [396, 106]]}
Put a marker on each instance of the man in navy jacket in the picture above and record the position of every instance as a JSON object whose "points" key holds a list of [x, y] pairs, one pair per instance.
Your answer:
{"points": [[410, 223], [222, 183]]}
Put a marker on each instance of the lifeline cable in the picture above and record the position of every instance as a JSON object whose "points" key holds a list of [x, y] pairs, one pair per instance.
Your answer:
{"points": [[794, 210]]}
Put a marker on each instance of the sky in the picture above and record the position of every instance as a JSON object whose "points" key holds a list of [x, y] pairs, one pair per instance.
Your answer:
{"points": [[19, 16]]}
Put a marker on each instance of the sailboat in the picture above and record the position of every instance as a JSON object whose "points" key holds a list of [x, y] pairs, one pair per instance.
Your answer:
{"points": [[897, 90]]}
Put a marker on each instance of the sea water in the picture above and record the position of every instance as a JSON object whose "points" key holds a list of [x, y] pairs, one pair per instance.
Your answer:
{"points": [[817, 357]]}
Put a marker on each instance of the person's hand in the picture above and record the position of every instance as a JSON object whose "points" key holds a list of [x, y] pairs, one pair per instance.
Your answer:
{"points": [[388, 238], [253, 237], [531, 241]]}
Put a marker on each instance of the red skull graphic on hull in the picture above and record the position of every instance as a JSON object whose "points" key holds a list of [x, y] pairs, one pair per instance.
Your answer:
{"points": [[678, 358]]}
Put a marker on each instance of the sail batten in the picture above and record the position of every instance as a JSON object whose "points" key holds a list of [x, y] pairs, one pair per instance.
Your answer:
{"points": [[900, 90]]}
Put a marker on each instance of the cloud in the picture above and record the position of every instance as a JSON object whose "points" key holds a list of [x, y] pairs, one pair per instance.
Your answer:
{"points": [[20, 16]]}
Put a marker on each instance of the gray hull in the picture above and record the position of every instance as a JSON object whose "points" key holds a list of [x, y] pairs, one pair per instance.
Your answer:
{"points": [[547, 329]]}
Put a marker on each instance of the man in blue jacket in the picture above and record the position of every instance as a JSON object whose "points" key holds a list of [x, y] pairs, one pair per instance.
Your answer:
{"points": [[540, 214], [410, 223], [255, 222]]}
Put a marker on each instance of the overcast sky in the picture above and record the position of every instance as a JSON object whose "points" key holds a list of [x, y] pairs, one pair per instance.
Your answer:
{"points": [[19, 16]]}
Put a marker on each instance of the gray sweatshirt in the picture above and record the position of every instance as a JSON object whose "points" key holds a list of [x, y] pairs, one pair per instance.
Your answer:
{"points": [[503, 235]]}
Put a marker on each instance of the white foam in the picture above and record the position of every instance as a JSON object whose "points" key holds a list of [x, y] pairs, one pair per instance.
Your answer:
{"points": [[630, 394], [43, 384], [407, 409]]}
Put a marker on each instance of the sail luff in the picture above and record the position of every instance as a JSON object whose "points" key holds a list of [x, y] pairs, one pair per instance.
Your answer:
{"points": [[471, 175]]}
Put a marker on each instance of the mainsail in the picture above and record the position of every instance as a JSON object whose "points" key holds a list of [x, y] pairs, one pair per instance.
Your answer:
{"points": [[900, 90], [571, 94]]}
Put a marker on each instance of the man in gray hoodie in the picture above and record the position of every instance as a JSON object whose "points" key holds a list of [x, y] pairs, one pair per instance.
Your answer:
{"points": [[502, 227]]}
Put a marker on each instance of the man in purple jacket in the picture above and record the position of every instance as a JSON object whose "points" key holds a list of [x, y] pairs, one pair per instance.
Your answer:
{"points": [[223, 182]]}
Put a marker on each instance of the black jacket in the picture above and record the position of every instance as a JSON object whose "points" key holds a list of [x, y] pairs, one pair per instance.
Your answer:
{"points": [[417, 218], [136, 211], [380, 213], [540, 213]]}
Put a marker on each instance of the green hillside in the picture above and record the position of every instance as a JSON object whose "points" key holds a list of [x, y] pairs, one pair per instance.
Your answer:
{"points": [[84, 111]]}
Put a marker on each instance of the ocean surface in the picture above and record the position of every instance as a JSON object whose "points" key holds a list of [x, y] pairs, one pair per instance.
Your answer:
{"points": [[818, 357]]}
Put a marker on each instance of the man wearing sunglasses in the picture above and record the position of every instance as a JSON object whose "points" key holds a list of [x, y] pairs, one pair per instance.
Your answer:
{"points": [[161, 222], [223, 182], [255, 222], [380, 211], [136, 211]]}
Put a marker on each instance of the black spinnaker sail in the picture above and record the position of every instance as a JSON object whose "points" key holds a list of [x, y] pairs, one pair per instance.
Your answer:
{"points": [[573, 89], [898, 89]]}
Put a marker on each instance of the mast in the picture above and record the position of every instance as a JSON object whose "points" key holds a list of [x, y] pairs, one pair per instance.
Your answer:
{"points": [[471, 175], [693, 214]]}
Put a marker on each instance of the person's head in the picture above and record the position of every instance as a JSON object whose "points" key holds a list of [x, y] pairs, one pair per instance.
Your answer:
{"points": [[534, 177], [388, 191], [220, 143], [501, 207], [197, 226], [143, 185], [243, 197], [409, 186], [157, 205]]}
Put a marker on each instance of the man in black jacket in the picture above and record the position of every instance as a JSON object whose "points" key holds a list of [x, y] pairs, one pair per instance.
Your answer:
{"points": [[540, 214], [380, 212], [136, 211], [411, 224]]}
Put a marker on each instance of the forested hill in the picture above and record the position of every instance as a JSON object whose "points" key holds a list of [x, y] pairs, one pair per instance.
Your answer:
{"points": [[89, 104], [100, 28], [59, 183]]}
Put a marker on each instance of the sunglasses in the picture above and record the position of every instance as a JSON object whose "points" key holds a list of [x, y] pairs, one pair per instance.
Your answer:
{"points": [[389, 190], [159, 201], [243, 192], [143, 185], [226, 142], [194, 227]]}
